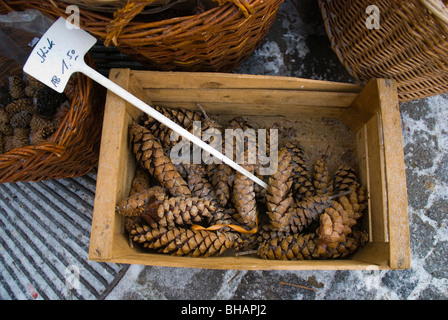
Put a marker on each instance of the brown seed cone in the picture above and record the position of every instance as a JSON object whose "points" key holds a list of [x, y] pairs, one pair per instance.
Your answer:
{"points": [[334, 250], [4, 116], [130, 222], [20, 105], [33, 82], [307, 247], [344, 178], [21, 119], [6, 129], [16, 87], [222, 182], [289, 247], [41, 129], [185, 242], [181, 116], [302, 182], [134, 205], [279, 194], [321, 178], [198, 181], [150, 155], [264, 233], [178, 211], [303, 213], [18, 140], [60, 114], [71, 87], [336, 221], [243, 198], [1, 143], [140, 182]]}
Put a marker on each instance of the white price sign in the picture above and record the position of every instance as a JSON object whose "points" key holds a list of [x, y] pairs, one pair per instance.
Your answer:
{"points": [[60, 52]]}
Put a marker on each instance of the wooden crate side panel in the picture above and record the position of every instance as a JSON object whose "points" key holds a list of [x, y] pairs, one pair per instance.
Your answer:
{"points": [[253, 96], [186, 80], [241, 263], [363, 108], [112, 161], [377, 180], [397, 201], [248, 109]]}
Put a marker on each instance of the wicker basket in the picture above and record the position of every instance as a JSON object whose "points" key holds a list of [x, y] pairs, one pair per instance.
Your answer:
{"points": [[218, 39], [411, 45], [72, 150], [115, 5]]}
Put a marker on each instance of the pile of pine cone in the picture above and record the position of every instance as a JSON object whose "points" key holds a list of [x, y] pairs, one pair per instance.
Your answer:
{"points": [[29, 112], [203, 210]]}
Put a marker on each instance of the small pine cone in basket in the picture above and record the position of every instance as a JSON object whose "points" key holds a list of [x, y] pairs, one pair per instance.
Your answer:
{"points": [[21, 119], [23, 104], [16, 87]]}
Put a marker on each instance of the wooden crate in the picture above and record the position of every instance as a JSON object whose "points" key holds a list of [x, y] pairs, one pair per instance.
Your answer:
{"points": [[372, 113]]}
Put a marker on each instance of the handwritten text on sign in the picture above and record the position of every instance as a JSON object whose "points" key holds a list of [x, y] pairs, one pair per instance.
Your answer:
{"points": [[58, 54]]}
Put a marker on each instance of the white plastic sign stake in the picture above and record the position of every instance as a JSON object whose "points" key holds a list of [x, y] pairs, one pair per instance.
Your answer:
{"points": [[60, 53]]}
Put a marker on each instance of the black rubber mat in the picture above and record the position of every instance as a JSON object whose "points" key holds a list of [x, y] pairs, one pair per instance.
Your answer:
{"points": [[44, 241]]}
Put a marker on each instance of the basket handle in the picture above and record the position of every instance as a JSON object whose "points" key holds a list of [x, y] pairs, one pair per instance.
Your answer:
{"points": [[133, 7]]}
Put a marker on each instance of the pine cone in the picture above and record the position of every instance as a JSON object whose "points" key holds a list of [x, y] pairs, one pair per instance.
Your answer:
{"points": [[336, 222], [303, 185], [279, 194], [307, 247], [21, 119], [6, 129], [178, 211], [140, 181], [321, 178], [1, 143], [243, 198], [71, 88], [23, 104], [16, 87], [150, 155], [198, 181], [5, 97], [185, 242], [290, 247], [181, 116], [60, 114], [4, 116], [18, 140], [47, 101], [41, 129], [344, 178], [222, 182], [34, 83], [134, 205]]}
